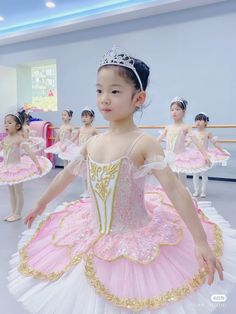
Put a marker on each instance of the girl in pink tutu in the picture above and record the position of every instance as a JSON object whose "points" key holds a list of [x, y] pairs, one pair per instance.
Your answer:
{"points": [[63, 137], [81, 137], [15, 169], [186, 160], [106, 255], [216, 154], [36, 143]]}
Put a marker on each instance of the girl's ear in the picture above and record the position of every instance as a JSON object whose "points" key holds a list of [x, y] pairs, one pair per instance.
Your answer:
{"points": [[139, 99]]}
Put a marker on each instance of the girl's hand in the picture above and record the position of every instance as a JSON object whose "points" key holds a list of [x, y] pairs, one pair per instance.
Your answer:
{"points": [[207, 161], [209, 262], [29, 219], [40, 171]]}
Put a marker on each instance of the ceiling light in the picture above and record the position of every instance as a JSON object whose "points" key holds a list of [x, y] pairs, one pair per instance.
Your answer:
{"points": [[1, 18], [50, 4]]}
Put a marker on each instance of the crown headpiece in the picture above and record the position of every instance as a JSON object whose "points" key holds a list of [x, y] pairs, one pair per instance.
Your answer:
{"points": [[114, 56], [88, 109], [180, 100]]}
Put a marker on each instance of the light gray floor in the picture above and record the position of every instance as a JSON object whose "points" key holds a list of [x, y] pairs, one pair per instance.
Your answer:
{"points": [[222, 194]]}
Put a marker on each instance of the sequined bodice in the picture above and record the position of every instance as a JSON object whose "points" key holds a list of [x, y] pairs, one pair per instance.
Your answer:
{"points": [[175, 139], [118, 195], [11, 153], [202, 138], [65, 134], [83, 137]]}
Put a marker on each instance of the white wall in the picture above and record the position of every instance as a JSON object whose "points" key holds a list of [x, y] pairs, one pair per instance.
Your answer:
{"points": [[8, 92], [191, 53]]}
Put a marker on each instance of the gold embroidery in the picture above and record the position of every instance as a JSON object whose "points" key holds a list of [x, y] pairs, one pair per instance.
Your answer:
{"points": [[102, 175]]}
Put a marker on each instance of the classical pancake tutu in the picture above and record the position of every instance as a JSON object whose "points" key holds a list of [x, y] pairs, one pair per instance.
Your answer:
{"points": [[70, 152], [37, 144], [23, 171], [216, 156], [190, 161], [58, 147], [65, 266]]}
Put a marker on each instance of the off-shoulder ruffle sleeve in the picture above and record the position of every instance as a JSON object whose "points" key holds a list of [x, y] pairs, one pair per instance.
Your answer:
{"points": [[78, 165], [158, 162]]}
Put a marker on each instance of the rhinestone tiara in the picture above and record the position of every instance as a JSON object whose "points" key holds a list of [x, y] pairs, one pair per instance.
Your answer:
{"points": [[114, 56]]}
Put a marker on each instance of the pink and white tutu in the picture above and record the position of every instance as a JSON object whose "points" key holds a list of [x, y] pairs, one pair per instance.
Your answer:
{"points": [[109, 255], [186, 159], [70, 152], [36, 143], [61, 145], [16, 168], [218, 157]]}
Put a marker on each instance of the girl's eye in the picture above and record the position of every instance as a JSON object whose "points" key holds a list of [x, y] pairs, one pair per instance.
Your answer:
{"points": [[99, 91], [115, 91]]}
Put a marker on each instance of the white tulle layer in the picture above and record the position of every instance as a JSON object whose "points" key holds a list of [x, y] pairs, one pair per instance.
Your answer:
{"points": [[72, 294]]}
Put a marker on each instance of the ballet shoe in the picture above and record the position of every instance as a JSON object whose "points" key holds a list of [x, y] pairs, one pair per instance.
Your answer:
{"points": [[13, 218]]}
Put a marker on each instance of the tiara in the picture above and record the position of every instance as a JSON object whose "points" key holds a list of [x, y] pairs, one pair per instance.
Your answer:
{"points": [[114, 56], [181, 100], [88, 109]]}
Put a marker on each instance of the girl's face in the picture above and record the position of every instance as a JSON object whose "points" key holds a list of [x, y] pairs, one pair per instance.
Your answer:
{"points": [[200, 124], [177, 113], [10, 125], [65, 117], [86, 119], [116, 98]]}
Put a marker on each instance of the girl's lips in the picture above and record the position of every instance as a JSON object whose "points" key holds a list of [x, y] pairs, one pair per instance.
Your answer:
{"points": [[106, 110]]}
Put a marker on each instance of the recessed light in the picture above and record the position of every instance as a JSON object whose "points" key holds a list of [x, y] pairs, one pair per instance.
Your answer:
{"points": [[50, 4], [1, 18]]}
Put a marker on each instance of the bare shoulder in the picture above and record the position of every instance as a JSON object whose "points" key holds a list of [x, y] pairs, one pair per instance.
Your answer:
{"points": [[150, 146]]}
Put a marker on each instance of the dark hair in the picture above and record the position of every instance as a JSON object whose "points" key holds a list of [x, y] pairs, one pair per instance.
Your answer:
{"points": [[202, 116], [17, 118], [141, 68], [70, 112], [24, 116], [88, 113], [180, 102]]}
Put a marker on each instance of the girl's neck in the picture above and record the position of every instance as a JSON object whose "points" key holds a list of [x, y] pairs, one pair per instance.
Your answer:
{"points": [[66, 123], [87, 126], [121, 127], [179, 123]]}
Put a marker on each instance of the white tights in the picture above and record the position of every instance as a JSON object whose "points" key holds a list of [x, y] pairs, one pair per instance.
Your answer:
{"points": [[196, 182], [17, 198]]}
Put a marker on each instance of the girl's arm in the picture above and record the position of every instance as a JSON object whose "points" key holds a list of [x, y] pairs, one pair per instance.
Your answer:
{"points": [[162, 135], [75, 137], [1, 145], [57, 138], [214, 142], [183, 203], [199, 146], [56, 187]]}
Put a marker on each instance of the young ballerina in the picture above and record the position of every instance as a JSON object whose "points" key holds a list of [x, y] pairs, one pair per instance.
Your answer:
{"points": [[216, 155], [36, 143], [186, 160], [82, 135], [63, 137], [15, 169], [106, 254], [80, 138]]}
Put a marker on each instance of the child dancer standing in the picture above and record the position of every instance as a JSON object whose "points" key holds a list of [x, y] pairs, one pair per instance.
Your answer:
{"points": [[82, 136], [186, 160], [15, 169], [216, 155], [63, 137], [106, 254]]}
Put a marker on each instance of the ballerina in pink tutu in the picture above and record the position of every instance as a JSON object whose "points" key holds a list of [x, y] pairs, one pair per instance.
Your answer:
{"points": [[81, 137], [106, 254], [63, 137], [216, 154], [15, 168], [186, 160], [36, 143]]}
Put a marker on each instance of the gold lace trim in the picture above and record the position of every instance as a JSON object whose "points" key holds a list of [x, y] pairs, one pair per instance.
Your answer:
{"points": [[26, 270], [153, 303]]}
